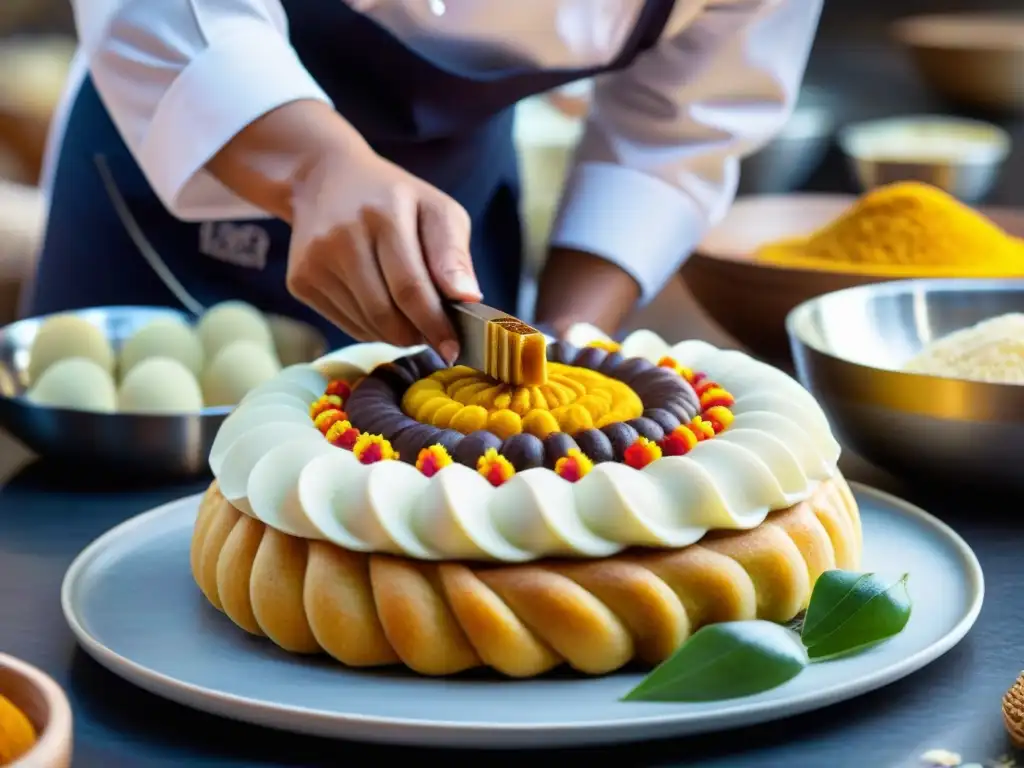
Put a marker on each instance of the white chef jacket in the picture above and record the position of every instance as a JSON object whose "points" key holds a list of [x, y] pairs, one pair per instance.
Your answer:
{"points": [[658, 162]]}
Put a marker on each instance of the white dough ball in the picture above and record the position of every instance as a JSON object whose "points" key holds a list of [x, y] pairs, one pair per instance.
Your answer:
{"points": [[236, 369], [291, 340], [64, 336], [231, 321], [160, 385], [77, 384], [164, 337]]}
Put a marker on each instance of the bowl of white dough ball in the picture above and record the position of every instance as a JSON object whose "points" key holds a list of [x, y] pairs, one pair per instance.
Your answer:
{"points": [[140, 389]]}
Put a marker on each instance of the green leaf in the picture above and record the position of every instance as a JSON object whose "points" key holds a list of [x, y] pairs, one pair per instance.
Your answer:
{"points": [[849, 611], [725, 661]]}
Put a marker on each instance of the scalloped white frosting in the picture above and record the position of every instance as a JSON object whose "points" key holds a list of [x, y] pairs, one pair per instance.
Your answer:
{"points": [[273, 464]]}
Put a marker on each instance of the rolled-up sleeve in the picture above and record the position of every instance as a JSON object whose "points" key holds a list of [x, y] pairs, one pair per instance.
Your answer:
{"points": [[180, 79], [659, 159]]}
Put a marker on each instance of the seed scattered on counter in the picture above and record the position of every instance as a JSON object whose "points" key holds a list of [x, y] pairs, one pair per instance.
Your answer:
{"points": [[944, 758], [941, 758]]}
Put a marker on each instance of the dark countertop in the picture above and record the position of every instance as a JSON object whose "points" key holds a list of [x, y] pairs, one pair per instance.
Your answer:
{"points": [[952, 704]]}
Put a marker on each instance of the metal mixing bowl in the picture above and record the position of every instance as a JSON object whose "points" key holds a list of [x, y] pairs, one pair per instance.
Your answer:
{"points": [[787, 161], [157, 446], [895, 149], [849, 347]]}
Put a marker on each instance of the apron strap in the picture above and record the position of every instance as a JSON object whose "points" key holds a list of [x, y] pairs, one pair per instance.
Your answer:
{"points": [[651, 25], [138, 237]]}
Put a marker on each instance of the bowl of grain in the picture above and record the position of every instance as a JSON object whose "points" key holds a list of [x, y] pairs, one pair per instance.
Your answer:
{"points": [[771, 253], [924, 378], [962, 157], [797, 150]]}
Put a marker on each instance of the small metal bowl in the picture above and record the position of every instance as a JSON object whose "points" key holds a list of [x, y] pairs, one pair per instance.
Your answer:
{"points": [[962, 157], [849, 347], [795, 153], [153, 446]]}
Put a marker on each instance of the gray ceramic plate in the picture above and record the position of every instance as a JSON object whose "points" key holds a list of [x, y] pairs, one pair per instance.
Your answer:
{"points": [[188, 652]]}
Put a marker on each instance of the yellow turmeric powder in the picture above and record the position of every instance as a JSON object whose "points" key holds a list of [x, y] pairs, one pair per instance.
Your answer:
{"points": [[907, 228], [17, 734]]}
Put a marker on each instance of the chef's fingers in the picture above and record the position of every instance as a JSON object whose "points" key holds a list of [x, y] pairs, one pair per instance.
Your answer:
{"points": [[326, 300], [316, 299], [444, 231], [306, 280], [356, 264], [343, 304], [405, 272]]}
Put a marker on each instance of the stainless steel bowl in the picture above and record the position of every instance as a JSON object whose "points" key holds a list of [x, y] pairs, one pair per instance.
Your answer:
{"points": [[795, 153], [156, 446], [904, 149], [849, 347]]}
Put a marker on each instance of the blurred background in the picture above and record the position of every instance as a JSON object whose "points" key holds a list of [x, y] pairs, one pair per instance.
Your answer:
{"points": [[864, 66]]}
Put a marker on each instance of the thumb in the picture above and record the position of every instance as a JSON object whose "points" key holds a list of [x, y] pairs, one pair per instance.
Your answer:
{"points": [[444, 233]]}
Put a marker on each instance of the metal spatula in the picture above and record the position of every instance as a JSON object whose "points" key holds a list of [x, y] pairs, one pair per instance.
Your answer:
{"points": [[500, 345]]}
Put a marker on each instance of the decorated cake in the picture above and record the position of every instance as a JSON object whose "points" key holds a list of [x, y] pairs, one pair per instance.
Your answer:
{"points": [[384, 508]]}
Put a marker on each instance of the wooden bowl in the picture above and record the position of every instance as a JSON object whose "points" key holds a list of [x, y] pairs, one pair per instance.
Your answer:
{"points": [[749, 299], [22, 214], [33, 72], [973, 59], [45, 704]]}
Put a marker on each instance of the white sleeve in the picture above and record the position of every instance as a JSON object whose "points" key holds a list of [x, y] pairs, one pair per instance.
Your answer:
{"points": [[659, 159], [181, 78]]}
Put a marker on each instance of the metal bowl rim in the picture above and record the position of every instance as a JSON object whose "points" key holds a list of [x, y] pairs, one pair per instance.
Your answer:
{"points": [[995, 150], [214, 411], [798, 314]]}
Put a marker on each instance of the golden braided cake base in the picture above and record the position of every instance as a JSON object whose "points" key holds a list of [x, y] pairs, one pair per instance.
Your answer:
{"points": [[1013, 712], [521, 620]]}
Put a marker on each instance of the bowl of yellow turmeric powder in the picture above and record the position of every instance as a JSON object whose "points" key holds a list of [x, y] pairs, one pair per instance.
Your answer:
{"points": [[35, 718], [773, 253]]}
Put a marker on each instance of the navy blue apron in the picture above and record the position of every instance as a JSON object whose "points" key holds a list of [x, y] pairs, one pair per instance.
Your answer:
{"points": [[450, 127]]}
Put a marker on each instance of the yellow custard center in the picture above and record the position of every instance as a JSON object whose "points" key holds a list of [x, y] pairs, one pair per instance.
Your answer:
{"points": [[573, 399]]}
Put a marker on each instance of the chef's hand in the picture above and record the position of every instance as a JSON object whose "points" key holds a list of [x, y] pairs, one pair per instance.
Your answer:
{"points": [[374, 249]]}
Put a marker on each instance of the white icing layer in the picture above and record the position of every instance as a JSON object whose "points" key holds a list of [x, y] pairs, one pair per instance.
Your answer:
{"points": [[273, 464]]}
